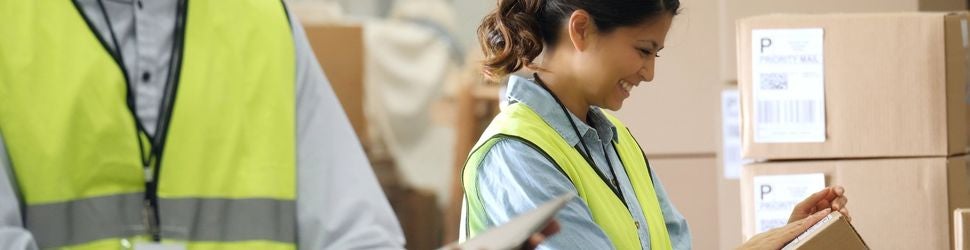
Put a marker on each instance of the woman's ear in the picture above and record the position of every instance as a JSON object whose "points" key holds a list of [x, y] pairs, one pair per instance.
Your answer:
{"points": [[580, 29]]}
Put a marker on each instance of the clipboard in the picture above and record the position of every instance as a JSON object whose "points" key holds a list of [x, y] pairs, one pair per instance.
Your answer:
{"points": [[514, 233]]}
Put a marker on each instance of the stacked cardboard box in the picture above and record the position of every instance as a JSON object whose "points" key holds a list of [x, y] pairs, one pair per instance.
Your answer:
{"points": [[730, 11], [729, 170], [691, 184], [876, 103], [832, 232]]}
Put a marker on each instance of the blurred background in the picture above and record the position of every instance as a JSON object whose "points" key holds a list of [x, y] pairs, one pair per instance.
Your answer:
{"points": [[407, 74]]}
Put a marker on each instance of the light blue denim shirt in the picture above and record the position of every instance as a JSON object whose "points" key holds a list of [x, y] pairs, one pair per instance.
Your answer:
{"points": [[514, 178]]}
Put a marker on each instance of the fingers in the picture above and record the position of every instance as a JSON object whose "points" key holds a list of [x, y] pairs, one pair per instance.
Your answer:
{"points": [[800, 226], [534, 241], [845, 213], [812, 200], [839, 203], [551, 228], [823, 204], [839, 190]]}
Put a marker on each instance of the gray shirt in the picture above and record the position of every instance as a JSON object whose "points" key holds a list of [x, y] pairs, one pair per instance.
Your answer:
{"points": [[329, 160], [514, 178]]}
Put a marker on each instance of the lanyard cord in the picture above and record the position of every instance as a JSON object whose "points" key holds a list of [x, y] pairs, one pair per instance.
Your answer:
{"points": [[614, 185], [145, 160], [153, 156]]}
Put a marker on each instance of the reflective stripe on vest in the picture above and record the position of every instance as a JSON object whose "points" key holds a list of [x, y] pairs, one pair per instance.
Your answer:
{"points": [[519, 122], [228, 175]]}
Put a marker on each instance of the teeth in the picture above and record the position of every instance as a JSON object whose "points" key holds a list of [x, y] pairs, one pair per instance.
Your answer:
{"points": [[626, 85]]}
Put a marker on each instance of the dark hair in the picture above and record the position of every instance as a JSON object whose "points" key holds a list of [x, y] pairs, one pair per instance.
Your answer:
{"points": [[514, 34]]}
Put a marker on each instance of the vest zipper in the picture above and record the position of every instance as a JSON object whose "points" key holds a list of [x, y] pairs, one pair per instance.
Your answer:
{"points": [[152, 177]]}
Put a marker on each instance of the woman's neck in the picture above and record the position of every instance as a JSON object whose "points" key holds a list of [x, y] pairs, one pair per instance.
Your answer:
{"points": [[568, 93]]}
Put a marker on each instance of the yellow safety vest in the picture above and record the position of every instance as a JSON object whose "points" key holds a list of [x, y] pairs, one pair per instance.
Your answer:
{"points": [[520, 122], [226, 174]]}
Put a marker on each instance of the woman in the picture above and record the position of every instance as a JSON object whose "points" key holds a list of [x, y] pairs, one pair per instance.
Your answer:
{"points": [[554, 137]]}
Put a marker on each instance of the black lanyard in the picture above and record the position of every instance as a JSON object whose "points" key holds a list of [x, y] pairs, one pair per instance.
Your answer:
{"points": [[615, 184], [157, 142]]}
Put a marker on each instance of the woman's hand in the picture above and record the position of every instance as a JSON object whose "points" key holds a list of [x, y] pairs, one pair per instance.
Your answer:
{"points": [[777, 238], [831, 197], [551, 228]]}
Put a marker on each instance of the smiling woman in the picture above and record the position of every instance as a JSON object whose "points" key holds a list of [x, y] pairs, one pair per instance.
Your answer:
{"points": [[595, 52], [555, 137]]}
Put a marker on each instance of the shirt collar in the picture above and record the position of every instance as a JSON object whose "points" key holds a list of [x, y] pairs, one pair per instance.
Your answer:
{"points": [[528, 92]]}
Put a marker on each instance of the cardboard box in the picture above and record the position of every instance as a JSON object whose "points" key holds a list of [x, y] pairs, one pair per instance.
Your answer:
{"points": [[894, 86], [729, 214], [733, 10], [340, 50], [691, 184], [729, 162], [961, 228], [904, 203], [832, 232]]}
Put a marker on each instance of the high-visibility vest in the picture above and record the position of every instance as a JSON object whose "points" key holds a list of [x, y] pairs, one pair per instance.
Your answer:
{"points": [[226, 171], [517, 121]]}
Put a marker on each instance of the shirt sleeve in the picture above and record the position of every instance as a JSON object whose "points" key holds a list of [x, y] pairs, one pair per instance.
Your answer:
{"points": [[680, 237], [514, 178], [13, 235], [339, 202]]}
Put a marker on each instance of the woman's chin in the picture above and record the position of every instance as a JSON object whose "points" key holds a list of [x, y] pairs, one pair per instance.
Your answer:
{"points": [[613, 105]]}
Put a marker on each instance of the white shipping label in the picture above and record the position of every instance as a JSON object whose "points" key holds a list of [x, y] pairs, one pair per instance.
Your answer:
{"points": [[731, 134], [788, 88], [776, 195]]}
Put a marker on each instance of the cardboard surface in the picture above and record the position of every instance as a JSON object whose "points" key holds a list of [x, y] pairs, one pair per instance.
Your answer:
{"points": [[733, 10], [902, 203], [832, 232], [729, 214], [895, 86], [691, 183], [729, 191], [340, 50]]}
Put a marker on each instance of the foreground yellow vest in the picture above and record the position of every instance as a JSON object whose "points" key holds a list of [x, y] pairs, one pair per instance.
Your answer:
{"points": [[517, 121], [227, 171]]}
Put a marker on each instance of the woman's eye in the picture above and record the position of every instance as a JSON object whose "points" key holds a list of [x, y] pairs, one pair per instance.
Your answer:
{"points": [[645, 52]]}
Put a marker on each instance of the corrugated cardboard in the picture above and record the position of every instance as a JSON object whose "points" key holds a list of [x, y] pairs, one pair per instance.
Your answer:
{"points": [[961, 228], [691, 184], [832, 232], [894, 86], [734, 10], [901, 203], [729, 214], [340, 50]]}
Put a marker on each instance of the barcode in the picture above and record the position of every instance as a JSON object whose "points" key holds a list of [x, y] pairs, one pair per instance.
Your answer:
{"points": [[786, 112], [774, 81]]}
